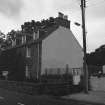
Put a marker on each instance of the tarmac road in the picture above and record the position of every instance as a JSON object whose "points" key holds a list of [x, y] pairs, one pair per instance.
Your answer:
{"points": [[14, 98]]}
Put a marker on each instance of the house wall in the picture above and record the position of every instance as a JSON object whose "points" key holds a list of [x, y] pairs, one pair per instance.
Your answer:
{"points": [[34, 61], [34, 69], [61, 48]]}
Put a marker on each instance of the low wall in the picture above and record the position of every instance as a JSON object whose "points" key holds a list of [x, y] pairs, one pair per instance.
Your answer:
{"points": [[40, 88], [97, 84], [23, 87]]}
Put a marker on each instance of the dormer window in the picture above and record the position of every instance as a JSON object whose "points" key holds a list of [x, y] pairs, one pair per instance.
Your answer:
{"points": [[35, 35], [28, 52], [38, 34], [14, 42]]}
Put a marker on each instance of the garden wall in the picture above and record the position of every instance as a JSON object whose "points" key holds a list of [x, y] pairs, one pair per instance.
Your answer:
{"points": [[40, 88]]}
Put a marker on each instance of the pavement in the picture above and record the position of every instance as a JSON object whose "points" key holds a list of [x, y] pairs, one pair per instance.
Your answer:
{"points": [[97, 97], [14, 98]]}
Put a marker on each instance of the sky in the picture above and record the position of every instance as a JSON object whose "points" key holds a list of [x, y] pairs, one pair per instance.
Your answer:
{"points": [[13, 13]]}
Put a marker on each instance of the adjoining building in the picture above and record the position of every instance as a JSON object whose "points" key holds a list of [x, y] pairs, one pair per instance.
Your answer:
{"points": [[48, 49]]}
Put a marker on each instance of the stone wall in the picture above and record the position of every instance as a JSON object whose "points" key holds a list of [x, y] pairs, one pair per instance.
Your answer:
{"points": [[23, 87], [97, 84]]}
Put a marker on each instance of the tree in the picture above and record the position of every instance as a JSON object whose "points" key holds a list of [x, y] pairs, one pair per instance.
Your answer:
{"points": [[14, 62], [95, 60], [12, 34], [97, 57]]}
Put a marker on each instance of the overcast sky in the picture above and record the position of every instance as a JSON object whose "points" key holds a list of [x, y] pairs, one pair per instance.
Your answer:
{"points": [[13, 13]]}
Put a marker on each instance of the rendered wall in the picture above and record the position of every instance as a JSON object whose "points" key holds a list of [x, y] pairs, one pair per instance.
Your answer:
{"points": [[61, 48]]}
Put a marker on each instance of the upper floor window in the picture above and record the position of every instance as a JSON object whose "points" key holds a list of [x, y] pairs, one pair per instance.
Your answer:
{"points": [[23, 39], [34, 36], [28, 52]]}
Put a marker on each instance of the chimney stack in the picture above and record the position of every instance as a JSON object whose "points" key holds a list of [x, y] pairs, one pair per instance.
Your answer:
{"points": [[62, 20], [60, 15], [65, 17]]}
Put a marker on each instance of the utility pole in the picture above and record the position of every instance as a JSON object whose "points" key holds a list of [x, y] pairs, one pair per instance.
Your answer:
{"points": [[83, 6]]}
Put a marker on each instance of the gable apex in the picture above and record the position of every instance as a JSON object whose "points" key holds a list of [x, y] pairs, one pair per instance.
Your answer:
{"points": [[60, 29]]}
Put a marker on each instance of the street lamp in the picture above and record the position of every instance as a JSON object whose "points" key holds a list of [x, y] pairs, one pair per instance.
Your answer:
{"points": [[77, 24], [83, 6], [84, 57]]}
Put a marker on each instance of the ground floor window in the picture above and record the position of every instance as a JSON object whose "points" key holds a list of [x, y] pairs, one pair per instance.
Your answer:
{"points": [[27, 72], [28, 52]]}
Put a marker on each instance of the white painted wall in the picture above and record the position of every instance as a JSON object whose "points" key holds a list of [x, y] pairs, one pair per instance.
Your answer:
{"points": [[61, 48]]}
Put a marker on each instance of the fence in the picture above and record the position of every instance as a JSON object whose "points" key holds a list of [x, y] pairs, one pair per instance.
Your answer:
{"points": [[60, 75], [40, 88], [62, 71]]}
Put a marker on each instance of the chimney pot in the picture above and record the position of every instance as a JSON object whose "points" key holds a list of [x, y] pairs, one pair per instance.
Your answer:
{"points": [[60, 15], [65, 17]]}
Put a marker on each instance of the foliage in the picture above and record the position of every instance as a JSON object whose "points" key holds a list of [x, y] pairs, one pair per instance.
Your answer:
{"points": [[97, 58], [2, 40], [7, 41], [12, 62], [12, 34]]}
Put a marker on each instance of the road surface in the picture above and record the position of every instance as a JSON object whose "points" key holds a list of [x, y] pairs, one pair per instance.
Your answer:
{"points": [[14, 98]]}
